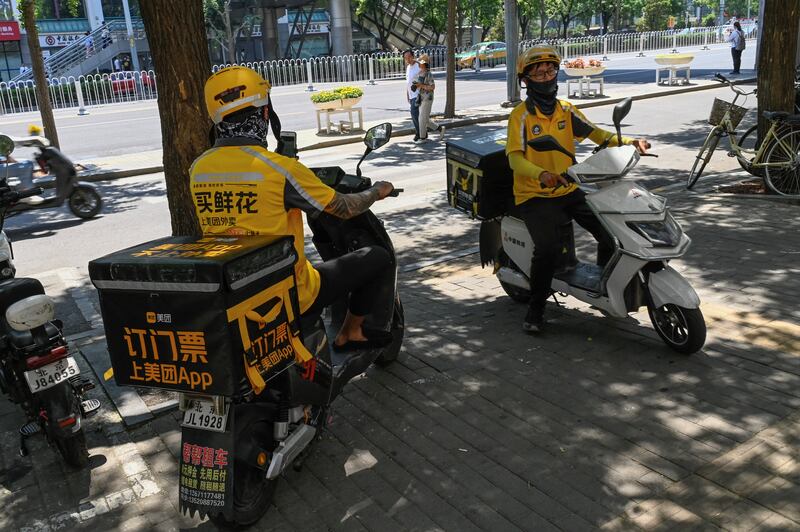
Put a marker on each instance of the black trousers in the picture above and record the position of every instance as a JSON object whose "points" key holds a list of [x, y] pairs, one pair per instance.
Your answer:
{"points": [[358, 274], [737, 59], [543, 217]]}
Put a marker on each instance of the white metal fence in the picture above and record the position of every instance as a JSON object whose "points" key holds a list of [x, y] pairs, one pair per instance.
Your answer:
{"points": [[104, 89]]}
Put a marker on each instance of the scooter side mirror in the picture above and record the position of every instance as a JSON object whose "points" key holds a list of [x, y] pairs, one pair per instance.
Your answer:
{"points": [[6, 145], [377, 136], [621, 110], [549, 143]]}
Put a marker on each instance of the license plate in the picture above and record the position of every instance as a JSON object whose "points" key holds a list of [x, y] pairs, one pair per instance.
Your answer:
{"points": [[200, 415], [55, 373]]}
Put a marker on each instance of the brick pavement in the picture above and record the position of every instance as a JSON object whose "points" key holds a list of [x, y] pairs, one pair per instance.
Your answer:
{"points": [[478, 427]]}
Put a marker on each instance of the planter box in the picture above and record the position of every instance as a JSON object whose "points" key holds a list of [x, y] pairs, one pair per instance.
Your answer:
{"points": [[674, 59], [328, 106], [347, 103], [583, 72]]}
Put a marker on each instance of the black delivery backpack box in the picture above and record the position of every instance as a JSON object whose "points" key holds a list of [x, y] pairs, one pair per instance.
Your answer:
{"points": [[174, 311], [479, 180]]}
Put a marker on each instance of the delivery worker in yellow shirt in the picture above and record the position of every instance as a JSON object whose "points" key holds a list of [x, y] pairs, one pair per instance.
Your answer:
{"points": [[544, 198], [239, 187]]}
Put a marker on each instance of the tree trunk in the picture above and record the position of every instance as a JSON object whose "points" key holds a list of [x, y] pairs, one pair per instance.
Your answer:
{"points": [[776, 68], [450, 101], [182, 66], [229, 36], [39, 75]]}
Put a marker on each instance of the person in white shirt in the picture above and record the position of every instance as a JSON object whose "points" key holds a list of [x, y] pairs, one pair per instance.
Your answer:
{"points": [[117, 65], [412, 73], [736, 38]]}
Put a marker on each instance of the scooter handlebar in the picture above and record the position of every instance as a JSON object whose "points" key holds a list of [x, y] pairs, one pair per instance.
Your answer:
{"points": [[395, 192]]}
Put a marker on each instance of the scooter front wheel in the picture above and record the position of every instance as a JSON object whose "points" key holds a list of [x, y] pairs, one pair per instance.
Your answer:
{"points": [[84, 202], [683, 329]]}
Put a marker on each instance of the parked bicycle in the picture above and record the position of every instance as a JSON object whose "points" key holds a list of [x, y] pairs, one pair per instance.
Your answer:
{"points": [[776, 158]]}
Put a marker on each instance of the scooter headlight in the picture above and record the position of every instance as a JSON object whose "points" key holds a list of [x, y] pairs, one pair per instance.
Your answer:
{"points": [[665, 233]]}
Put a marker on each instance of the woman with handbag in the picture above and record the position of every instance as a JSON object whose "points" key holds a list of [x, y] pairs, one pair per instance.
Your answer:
{"points": [[426, 86]]}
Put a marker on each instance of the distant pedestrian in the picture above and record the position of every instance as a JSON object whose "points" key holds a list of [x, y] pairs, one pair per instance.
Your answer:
{"points": [[126, 63], [117, 64], [412, 73], [23, 69], [105, 35], [89, 44], [736, 38], [426, 86]]}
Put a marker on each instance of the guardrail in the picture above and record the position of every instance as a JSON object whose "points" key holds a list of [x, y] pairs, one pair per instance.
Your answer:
{"points": [[104, 89], [95, 89]]}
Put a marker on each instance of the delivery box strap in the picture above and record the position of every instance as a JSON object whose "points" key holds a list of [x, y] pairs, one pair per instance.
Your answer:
{"points": [[281, 292]]}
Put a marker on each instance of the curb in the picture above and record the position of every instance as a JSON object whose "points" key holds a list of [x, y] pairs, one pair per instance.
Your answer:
{"points": [[495, 117]]}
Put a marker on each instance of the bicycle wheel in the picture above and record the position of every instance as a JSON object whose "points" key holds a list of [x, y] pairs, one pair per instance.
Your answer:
{"points": [[703, 156], [784, 179], [749, 142]]}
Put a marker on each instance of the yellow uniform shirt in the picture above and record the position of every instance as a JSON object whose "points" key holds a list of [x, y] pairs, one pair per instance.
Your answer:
{"points": [[566, 124], [249, 190]]}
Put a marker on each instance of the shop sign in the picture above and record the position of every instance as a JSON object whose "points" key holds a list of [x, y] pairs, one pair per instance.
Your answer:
{"points": [[9, 30], [314, 27], [59, 39]]}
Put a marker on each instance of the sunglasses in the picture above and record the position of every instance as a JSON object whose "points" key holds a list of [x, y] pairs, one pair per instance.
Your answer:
{"points": [[543, 75]]}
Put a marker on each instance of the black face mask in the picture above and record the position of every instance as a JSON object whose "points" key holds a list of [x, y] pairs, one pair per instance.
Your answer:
{"points": [[542, 94]]}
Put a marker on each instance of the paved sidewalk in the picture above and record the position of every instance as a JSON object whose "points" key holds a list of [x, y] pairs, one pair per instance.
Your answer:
{"points": [[479, 427], [151, 161]]}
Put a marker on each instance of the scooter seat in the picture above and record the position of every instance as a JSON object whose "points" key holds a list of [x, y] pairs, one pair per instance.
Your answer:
{"points": [[24, 339], [13, 290]]}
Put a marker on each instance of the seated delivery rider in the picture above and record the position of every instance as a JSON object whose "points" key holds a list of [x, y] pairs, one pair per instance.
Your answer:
{"points": [[241, 188], [544, 199]]}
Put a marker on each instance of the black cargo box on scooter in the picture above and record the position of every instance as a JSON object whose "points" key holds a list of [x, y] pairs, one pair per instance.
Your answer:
{"points": [[479, 180], [173, 310]]}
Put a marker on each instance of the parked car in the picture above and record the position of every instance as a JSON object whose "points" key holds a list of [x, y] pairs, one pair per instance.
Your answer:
{"points": [[489, 53]]}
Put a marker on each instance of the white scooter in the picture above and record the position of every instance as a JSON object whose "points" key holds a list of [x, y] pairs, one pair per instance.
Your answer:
{"points": [[646, 237]]}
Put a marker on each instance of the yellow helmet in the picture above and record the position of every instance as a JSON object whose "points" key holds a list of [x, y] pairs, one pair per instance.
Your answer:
{"points": [[233, 89], [535, 55]]}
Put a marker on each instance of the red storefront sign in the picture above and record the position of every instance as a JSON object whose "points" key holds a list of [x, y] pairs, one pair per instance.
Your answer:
{"points": [[9, 30]]}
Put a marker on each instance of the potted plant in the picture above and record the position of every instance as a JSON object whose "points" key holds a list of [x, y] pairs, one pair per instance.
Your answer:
{"points": [[327, 100], [674, 59], [350, 96], [582, 68]]}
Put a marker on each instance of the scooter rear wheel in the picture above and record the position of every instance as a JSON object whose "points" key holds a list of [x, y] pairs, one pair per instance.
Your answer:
{"points": [[84, 202], [683, 329], [520, 295], [73, 449]]}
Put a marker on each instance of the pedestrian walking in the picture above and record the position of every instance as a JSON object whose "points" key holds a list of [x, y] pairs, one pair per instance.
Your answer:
{"points": [[105, 35], [117, 64], [412, 73], [89, 44], [126, 63], [736, 38], [426, 86]]}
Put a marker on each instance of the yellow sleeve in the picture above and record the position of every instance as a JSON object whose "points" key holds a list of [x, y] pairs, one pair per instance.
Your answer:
{"points": [[305, 191], [523, 166], [515, 138]]}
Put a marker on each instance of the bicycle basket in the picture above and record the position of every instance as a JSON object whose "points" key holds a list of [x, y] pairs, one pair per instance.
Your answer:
{"points": [[719, 109]]}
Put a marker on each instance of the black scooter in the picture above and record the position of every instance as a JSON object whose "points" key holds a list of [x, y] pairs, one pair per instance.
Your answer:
{"points": [[37, 370], [60, 184], [208, 317]]}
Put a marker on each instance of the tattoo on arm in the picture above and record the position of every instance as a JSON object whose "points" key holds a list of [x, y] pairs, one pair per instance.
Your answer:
{"points": [[347, 206]]}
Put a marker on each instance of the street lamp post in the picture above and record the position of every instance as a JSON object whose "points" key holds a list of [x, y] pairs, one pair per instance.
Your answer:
{"points": [[512, 50], [131, 39]]}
